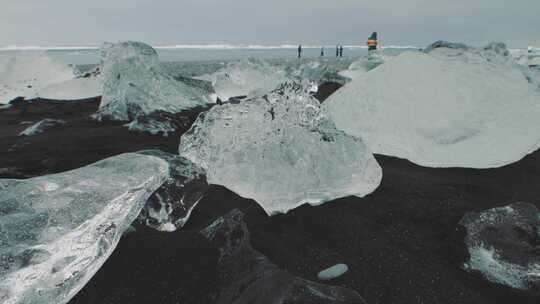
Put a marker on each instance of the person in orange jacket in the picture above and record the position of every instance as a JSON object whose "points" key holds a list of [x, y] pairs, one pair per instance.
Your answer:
{"points": [[372, 42]]}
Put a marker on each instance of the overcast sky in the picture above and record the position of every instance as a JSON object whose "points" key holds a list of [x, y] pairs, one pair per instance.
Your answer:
{"points": [[169, 22]]}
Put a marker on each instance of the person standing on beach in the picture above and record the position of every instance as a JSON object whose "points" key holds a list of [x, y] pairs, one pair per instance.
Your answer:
{"points": [[300, 51], [322, 51], [337, 50], [372, 42], [341, 51]]}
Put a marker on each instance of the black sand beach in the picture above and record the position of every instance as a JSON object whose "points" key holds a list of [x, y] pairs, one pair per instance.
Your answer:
{"points": [[402, 243]]}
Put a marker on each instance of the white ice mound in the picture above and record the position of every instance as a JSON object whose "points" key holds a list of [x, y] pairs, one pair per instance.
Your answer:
{"points": [[57, 230], [534, 77], [135, 84], [360, 67], [280, 150], [452, 107], [24, 75], [248, 77], [73, 89]]}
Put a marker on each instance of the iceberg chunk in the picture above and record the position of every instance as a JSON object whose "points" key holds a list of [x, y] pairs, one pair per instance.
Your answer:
{"points": [[25, 75], [280, 149], [57, 230], [135, 84], [451, 107], [503, 245]]}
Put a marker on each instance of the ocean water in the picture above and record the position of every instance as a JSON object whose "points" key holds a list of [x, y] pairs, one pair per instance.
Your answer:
{"points": [[91, 56]]}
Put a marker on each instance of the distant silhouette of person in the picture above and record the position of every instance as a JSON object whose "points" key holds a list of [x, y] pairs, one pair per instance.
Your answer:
{"points": [[300, 51], [337, 50], [372, 42], [322, 51], [341, 51]]}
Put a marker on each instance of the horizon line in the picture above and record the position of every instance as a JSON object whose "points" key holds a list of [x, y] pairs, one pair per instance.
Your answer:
{"points": [[196, 46]]}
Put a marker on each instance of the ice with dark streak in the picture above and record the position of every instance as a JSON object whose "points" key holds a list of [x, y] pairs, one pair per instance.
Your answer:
{"points": [[170, 206], [57, 230], [281, 150]]}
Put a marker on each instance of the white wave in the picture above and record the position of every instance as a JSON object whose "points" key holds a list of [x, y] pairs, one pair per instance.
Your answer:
{"points": [[47, 48]]}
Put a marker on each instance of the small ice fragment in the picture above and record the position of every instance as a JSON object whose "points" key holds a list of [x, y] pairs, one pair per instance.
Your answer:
{"points": [[333, 272]]}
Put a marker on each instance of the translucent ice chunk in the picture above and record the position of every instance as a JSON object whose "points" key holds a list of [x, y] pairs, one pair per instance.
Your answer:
{"points": [[135, 84], [57, 230], [281, 150]]}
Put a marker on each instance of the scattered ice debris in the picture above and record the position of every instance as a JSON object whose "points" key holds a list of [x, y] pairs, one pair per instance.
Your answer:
{"points": [[493, 54], [135, 84], [280, 149], [317, 72], [170, 207], [158, 122], [24, 75], [253, 77], [247, 276], [41, 126], [57, 230], [451, 107], [333, 272], [520, 56], [161, 122], [248, 77], [503, 245]]}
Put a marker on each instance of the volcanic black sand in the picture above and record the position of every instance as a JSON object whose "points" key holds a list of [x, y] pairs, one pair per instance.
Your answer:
{"points": [[402, 243]]}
